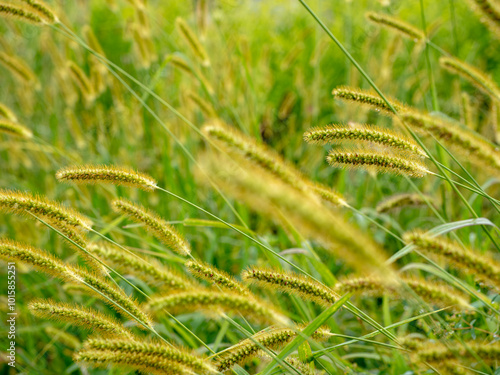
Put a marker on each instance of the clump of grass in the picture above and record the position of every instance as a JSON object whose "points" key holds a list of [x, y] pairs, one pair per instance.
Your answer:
{"points": [[471, 74], [291, 283], [13, 128], [365, 133], [154, 224], [94, 174], [399, 201], [213, 302], [145, 268], [482, 266], [395, 24], [273, 338], [220, 278], [377, 162], [39, 259], [91, 319]]}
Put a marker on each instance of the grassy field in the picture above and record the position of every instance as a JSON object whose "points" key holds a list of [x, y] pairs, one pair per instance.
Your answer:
{"points": [[248, 187]]}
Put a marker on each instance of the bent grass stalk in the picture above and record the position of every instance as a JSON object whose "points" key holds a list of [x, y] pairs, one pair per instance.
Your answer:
{"points": [[7, 113]]}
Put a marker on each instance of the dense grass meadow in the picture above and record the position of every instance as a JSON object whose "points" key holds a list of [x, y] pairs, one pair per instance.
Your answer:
{"points": [[249, 187]]}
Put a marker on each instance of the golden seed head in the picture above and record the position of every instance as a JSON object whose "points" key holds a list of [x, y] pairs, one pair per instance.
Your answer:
{"points": [[94, 174]]}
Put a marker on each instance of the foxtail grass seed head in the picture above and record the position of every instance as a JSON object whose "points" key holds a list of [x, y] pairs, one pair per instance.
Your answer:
{"points": [[482, 266], [13, 128], [151, 364], [367, 98], [291, 283], [211, 274], [39, 259], [95, 174], [397, 25], [144, 268], [23, 203], [102, 288], [266, 158], [180, 356], [19, 68], [435, 293], [400, 201], [88, 318], [379, 162], [21, 13], [436, 353], [473, 75], [366, 133], [7, 114], [488, 12], [82, 81], [328, 195], [479, 151], [42, 10], [213, 302], [157, 226], [272, 339], [192, 41]]}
